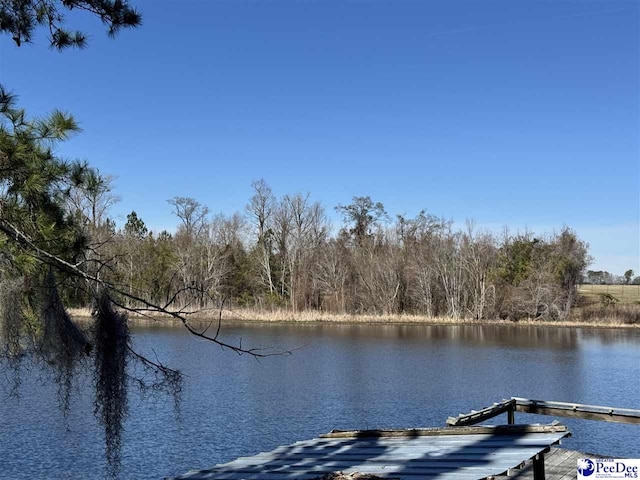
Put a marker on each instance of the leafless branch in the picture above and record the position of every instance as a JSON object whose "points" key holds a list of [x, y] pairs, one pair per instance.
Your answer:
{"points": [[26, 243]]}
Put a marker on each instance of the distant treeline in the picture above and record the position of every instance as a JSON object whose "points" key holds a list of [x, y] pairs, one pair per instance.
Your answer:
{"points": [[284, 253], [600, 277]]}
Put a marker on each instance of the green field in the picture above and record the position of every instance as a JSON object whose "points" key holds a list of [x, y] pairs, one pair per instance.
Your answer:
{"points": [[622, 293]]}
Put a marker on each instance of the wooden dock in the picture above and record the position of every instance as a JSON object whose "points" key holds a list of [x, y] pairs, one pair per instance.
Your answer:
{"points": [[543, 407], [450, 453], [461, 451], [560, 464]]}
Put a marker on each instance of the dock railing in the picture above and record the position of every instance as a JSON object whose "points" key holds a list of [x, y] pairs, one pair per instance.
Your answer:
{"points": [[543, 407]]}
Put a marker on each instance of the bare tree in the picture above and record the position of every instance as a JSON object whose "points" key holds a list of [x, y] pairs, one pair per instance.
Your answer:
{"points": [[417, 236], [260, 210], [299, 229], [378, 268], [190, 239], [332, 274], [479, 256], [89, 202], [191, 213], [449, 269], [221, 233]]}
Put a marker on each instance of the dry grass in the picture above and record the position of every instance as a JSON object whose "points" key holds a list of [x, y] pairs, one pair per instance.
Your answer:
{"points": [[621, 316], [80, 312], [309, 316], [626, 294], [624, 314], [608, 318], [285, 315]]}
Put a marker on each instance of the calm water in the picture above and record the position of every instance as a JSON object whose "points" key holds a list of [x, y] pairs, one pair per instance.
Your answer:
{"points": [[344, 377]]}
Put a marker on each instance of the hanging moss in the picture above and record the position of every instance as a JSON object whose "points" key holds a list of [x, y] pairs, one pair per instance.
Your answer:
{"points": [[11, 319], [12, 350], [41, 330], [110, 356], [62, 344]]}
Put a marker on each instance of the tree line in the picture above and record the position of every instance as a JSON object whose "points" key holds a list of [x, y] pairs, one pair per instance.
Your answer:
{"points": [[283, 252], [602, 277]]}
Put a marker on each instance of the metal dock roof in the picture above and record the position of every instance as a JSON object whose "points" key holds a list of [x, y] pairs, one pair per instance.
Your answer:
{"points": [[456, 453]]}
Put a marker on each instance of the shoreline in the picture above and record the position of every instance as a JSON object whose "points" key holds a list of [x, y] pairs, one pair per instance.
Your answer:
{"points": [[320, 318]]}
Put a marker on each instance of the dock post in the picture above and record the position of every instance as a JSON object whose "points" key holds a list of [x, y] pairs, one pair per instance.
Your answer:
{"points": [[538, 467], [511, 415]]}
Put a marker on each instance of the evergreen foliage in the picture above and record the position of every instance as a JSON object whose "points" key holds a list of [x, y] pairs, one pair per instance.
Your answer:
{"points": [[34, 184], [20, 18], [46, 247]]}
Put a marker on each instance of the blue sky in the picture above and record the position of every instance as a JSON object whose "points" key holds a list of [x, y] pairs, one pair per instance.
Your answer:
{"points": [[525, 114]]}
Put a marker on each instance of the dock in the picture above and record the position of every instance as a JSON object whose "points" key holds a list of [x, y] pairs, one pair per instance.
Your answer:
{"points": [[560, 464], [542, 407], [463, 450], [450, 453]]}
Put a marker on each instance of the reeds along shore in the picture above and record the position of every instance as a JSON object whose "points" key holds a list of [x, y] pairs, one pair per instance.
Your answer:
{"points": [[591, 316]]}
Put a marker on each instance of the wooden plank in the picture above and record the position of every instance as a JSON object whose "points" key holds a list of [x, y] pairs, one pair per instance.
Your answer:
{"points": [[425, 445], [483, 414], [458, 453], [303, 473], [494, 466], [489, 468], [560, 464], [399, 456], [314, 469], [576, 410], [212, 475], [557, 459], [430, 440], [470, 471], [508, 461], [324, 461], [425, 448], [493, 435], [472, 430]]}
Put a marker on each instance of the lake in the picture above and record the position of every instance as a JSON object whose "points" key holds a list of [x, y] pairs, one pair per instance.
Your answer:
{"points": [[342, 376]]}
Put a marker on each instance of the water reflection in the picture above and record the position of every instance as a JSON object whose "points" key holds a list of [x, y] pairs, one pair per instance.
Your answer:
{"points": [[520, 336], [610, 336], [345, 376]]}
